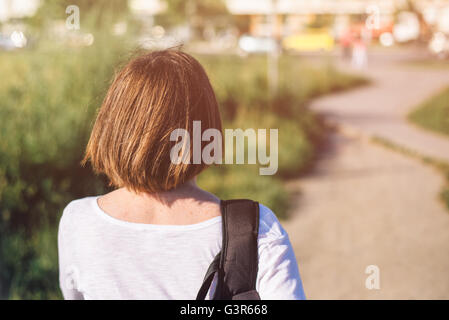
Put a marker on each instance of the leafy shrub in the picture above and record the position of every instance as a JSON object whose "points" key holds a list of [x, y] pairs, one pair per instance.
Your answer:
{"points": [[46, 107], [244, 182]]}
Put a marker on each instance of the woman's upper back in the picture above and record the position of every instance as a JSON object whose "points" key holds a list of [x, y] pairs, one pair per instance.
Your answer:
{"points": [[186, 204], [102, 257], [157, 241]]}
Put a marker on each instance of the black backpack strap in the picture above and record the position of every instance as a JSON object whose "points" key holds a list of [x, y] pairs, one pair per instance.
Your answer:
{"points": [[237, 262], [213, 268], [239, 259]]}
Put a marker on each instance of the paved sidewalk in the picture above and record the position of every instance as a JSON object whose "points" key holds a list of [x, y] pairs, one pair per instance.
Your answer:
{"points": [[367, 205], [381, 109]]}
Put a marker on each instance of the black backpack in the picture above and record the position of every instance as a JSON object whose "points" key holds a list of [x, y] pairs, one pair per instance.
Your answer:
{"points": [[237, 263]]}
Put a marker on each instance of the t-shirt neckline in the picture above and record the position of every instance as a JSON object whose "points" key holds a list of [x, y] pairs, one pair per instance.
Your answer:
{"points": [[149, 226]]}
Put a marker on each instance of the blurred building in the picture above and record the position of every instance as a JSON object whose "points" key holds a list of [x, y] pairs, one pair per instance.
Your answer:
{"points": [[12, 9], [316, 25], [293, 15], [147, 7]]}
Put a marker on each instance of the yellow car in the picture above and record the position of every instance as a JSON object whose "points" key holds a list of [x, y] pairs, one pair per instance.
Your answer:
{"points": [[311, 40]]}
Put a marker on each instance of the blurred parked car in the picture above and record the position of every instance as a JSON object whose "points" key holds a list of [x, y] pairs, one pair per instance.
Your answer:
{"points": [[251, 44], [6, 43], [15, 40], [407, 27], [311, 40], [439, 45], [158, 38]]}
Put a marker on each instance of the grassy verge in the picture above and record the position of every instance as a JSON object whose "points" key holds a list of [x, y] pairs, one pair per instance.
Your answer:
{"points": [[242, 90], [433, 114], [441, 166], [47, 101]]}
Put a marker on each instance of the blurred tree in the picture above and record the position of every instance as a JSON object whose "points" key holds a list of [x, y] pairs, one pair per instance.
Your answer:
{"points": [[94, 13], [321, 21], [192, 12], [49, 97], [425, 30], [242, 22]]}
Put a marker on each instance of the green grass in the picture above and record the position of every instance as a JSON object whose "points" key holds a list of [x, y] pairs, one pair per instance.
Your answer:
{"points": [[433, 114], [442, 167], [48, 97]]}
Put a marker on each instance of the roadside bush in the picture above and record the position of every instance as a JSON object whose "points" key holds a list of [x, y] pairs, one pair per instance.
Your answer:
{"points": [[47, 103]]}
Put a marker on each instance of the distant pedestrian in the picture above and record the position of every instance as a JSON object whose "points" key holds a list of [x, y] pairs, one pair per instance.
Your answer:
{"points": [[359, 54], [346, 45]]}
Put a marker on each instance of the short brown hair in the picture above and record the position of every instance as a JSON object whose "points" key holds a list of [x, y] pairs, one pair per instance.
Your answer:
{"points": [[150, 97]]}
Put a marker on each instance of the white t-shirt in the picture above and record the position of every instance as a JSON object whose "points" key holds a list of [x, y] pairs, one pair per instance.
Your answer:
{"points": [[101, 257]]}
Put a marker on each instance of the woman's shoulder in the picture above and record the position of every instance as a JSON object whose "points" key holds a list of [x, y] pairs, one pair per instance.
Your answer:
{"points": [[78, 208], [270, 229], [79, 205]]}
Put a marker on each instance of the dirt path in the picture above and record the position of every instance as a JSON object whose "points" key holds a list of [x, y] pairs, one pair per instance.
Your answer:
{"points": [[366, 205], [381, 108]]}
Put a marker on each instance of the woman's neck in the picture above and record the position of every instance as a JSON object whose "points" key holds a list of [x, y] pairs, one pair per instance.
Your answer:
{"points": [[186, 204]]}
